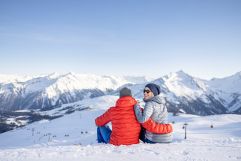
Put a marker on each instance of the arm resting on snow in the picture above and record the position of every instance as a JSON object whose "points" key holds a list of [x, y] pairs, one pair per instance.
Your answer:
{"points": [[103, 119], [157, 128]]}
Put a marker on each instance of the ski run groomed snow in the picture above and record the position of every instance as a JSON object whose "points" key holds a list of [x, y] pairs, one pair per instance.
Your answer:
{"points": [[73, 138]]}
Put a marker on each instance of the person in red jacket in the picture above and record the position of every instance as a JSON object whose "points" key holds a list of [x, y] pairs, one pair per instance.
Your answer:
{"points": [[125, 127]]}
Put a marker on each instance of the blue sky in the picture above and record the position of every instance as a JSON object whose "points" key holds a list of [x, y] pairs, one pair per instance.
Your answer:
{"points": [[134, 37]]}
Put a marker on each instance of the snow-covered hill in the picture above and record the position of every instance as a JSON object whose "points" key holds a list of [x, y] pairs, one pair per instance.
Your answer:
{"points": [[73, 137]]}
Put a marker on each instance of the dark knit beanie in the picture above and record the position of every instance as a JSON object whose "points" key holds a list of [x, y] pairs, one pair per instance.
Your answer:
{"points": [[154, 88], [125, 92]]}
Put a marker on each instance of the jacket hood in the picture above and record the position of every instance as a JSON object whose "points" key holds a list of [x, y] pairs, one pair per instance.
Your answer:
{"points": [[126, 101]]}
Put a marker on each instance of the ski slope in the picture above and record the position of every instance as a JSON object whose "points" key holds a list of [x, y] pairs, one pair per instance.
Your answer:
{"points": [[73, 137]]}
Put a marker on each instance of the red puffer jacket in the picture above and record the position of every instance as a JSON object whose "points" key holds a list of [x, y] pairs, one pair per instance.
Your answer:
{"points": [[125, 127]]}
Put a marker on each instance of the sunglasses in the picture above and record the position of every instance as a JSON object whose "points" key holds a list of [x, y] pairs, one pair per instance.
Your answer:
{"points": [[147, 91]]}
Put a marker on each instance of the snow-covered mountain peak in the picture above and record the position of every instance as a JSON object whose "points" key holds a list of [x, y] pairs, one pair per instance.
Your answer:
{"points": [[238, 74], [138, 79], [179, 76], [13, 78], [53, 75], [38, 84], [55, 89], [69, 81], [183, 84], [181, 73], [229, 84]]}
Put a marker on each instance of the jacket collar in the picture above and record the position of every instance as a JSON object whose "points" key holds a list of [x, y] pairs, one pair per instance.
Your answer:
{"points": [[126, 101]]}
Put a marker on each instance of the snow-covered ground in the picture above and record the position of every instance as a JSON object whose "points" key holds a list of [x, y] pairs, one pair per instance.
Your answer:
{"points": [[73, 137]]}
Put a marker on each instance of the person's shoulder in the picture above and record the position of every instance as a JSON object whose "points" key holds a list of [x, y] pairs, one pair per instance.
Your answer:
{"points": [[111, 108], [149, 104], [159, 99]]}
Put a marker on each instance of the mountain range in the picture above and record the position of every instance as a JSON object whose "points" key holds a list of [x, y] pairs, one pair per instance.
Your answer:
{"points": [[182, 91], [45, 92]]}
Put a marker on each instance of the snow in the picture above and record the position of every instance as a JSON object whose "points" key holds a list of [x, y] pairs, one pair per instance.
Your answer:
{"points": [[236, 105], [182, 84], [73, 137], [228, 89], [176, 85], [10, 120], [229, 84], [176, 151], [22, 110], [17, 121], [6, 78], [100, 103], [54, 84]]}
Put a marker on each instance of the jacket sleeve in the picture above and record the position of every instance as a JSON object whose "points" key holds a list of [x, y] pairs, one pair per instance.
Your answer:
{"points": [[157, 128], [145, 115], [104, 118]]}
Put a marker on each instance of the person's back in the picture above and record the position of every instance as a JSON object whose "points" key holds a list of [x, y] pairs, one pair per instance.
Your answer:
{"points": [[125, 127]]}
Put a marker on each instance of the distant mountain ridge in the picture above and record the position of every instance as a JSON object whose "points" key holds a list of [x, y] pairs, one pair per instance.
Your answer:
{"points": [[18, 93], [182, 91], [198, 96]]}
